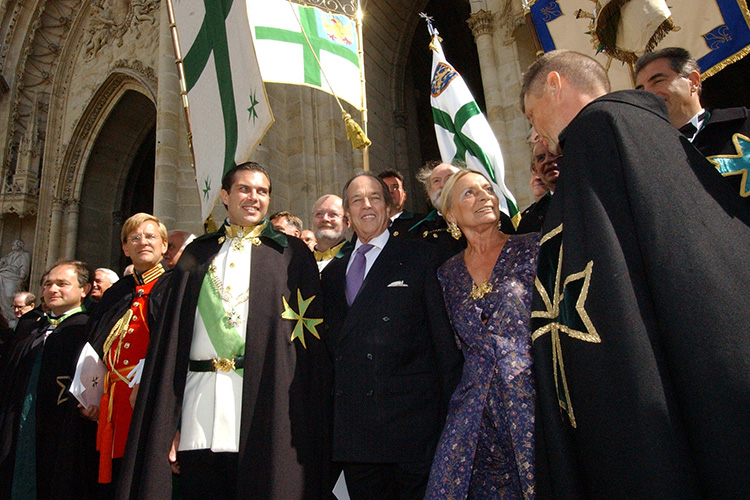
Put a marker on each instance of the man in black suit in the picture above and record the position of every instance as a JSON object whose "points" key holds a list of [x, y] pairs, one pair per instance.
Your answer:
{"points": [[544, 165], [395, 359], [401, 220], [721, 135]]}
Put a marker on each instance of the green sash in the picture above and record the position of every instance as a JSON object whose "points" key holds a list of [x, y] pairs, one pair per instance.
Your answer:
{"points": [[226, 339]]}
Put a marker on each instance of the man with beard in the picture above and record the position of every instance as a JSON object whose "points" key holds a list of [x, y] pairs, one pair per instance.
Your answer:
{"points": [[103, 279], [433, 228], [639, 320], [543, 164], [329, 225]]}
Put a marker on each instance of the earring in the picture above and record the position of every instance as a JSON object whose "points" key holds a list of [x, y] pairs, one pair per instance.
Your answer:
{"points": [[454, 230]]}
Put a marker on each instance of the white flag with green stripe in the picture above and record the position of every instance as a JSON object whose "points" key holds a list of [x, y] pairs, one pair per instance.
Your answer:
{"points": [[285, 57], [463, 132], [229, 111]]}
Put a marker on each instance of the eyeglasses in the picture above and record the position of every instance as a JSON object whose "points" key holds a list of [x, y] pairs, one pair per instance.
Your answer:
{"points": [[330, 215], [138, 238], [394, 188]]}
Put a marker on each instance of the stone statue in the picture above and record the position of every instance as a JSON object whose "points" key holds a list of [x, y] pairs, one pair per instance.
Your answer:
{"points": [[14, 269]]}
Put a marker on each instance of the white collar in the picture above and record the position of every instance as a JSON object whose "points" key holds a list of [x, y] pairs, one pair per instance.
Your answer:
{"points": [[378, 241]]}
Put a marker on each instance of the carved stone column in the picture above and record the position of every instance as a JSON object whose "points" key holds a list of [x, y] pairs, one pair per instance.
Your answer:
{"points": [[509, 73], [55, 232], [168, 109], [72, 208], [482, 27]]}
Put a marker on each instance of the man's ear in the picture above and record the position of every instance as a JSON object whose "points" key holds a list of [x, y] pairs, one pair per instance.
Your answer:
{"points": [[553, 83], [695, 81]]}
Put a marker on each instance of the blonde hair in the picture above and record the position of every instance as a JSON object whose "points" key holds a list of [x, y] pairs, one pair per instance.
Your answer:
{"points": [[445, 196], [135, 221]]}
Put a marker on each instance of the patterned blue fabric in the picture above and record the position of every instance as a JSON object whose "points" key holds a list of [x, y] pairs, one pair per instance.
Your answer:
{"points": [[486, 450]]}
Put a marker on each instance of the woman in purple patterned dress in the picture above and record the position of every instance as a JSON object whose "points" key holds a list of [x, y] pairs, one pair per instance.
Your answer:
{"points": [[486, 450]]}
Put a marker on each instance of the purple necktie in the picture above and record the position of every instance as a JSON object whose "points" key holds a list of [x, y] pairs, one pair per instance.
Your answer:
{"points": [[356, 274]]}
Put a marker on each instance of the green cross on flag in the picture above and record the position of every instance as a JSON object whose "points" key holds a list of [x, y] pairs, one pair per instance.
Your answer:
{"points": [[223, 82], [463, 132], [285, 57]]}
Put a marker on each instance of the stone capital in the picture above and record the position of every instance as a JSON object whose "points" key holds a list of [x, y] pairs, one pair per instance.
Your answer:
{"points": [[481, 23]]}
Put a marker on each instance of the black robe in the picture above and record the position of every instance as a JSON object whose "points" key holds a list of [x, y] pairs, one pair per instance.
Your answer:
{"points": [[639, 320], [65, 442], [532, 219], [286, 388], [434, 230], [400, 226]]}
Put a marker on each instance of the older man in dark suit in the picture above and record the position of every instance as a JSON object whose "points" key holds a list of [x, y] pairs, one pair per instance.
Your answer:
{"points": [[395, 359]]}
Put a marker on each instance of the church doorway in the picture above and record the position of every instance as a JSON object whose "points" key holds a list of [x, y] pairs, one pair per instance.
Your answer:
{"points": [[118, 180]]}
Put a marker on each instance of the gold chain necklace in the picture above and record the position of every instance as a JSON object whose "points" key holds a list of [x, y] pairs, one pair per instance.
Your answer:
{"points": [[232, 317]]}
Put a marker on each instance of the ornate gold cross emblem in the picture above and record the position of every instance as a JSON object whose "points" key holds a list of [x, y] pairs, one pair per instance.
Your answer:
{"points": [[554, 327], [302, 322]]}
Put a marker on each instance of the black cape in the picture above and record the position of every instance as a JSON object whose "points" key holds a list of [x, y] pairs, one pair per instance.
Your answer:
{"points": [[400, 226], [532, 219], [639, 322], [434, 230], [65, 442], [285, 429]]}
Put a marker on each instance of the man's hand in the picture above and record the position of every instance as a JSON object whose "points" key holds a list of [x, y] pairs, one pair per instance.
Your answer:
{"points": [[173, 454], [134, 395], [90, 413]]}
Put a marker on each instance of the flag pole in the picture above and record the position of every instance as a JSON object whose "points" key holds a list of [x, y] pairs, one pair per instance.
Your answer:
{"points": [[361, 54], [209, 225], [181, 76], [354, 132]]}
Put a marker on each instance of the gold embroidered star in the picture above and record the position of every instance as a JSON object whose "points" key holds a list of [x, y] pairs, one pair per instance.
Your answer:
{"points": [[302, 322], [555, 327], [61, 398]]}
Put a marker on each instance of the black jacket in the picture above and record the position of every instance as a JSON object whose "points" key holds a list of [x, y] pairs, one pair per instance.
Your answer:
{"points": [[395, 358]]}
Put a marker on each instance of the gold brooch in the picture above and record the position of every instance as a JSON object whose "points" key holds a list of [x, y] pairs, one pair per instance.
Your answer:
{"points": [[241, 234], [479, 291]]}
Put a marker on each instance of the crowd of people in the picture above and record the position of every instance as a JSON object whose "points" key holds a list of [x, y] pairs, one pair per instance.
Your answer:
{"points": [[597, 350]]}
